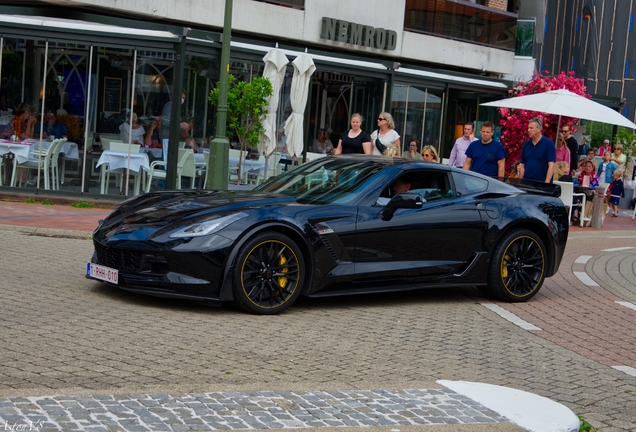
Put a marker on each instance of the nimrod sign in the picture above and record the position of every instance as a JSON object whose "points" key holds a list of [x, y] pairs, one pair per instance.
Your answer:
{"points": [[358, 34]]}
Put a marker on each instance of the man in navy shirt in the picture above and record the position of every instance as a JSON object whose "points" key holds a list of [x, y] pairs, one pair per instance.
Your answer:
{"points": [[52, 128], [538, 154], [486, 156]]}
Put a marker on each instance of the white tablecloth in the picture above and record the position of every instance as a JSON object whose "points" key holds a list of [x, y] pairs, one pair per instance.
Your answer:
{"points": [[119, 160], [19, 149], [68, 148], [248, 165]]}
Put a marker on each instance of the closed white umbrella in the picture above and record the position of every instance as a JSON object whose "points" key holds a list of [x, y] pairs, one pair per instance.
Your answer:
{"points": [[275, 64], [564, 103], [304, 67]]}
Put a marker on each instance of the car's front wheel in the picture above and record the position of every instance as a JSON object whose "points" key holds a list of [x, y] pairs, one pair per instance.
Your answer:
{"points": [[269, 274], [518, 266]]}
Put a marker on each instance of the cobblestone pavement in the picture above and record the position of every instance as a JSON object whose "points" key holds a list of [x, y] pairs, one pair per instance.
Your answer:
{"points": [[75, 350], [247, 410]]}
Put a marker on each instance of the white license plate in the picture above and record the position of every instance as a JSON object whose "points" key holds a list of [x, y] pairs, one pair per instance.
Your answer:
{"points": [[100, 272]]}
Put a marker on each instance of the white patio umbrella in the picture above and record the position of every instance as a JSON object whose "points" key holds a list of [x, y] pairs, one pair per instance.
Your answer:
{"points": [[275, 63], [564, 103], [303, 69]]}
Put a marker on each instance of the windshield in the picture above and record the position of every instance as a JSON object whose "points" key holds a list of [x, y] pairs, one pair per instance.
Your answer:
{"points": [[329, 180]]}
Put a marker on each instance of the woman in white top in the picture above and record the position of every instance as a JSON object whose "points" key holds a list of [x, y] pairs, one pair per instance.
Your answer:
{"points": [[138, 131], [386, 134], [619, 158]]}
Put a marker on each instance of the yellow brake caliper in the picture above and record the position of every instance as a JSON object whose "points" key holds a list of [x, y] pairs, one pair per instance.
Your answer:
{"points": [[504, 267], [282, 280]]}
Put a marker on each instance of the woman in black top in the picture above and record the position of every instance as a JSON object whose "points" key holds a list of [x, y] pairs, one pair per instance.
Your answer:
{"points": [[355, 140]]}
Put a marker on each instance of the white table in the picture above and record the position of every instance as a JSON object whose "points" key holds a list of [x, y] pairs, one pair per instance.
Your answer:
{"points": [[248, 165], [115, 160], [68, 148], [19, 149]]}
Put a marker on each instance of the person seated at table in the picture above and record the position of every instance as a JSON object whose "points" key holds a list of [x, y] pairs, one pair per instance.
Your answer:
{"points": [[186, 126], [153, 139], [322, 143], [589, 157], [588, 171], [22, 125], [51, 127], [138, 132], [562, 172]]}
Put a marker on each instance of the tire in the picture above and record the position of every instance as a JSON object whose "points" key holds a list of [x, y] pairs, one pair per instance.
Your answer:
{"points": [[517, 268], [269, 274]]}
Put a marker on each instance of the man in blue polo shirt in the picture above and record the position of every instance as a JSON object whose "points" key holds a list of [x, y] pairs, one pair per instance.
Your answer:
{"points": [[486, 156], [538, 154]]}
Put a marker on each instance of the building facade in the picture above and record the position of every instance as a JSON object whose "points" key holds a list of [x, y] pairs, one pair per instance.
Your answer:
{"points": [[596, 40], [429, 63]]}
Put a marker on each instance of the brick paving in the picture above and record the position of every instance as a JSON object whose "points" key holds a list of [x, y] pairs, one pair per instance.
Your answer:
{"points": [[63, 336]]}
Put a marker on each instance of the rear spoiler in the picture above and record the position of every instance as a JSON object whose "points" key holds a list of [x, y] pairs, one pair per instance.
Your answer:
{"points": [[533, 186]]}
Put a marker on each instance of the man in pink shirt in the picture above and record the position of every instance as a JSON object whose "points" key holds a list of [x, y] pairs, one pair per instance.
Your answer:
{"points": [[458, 154]]}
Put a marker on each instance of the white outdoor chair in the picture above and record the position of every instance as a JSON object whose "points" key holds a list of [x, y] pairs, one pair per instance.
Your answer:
{"points": [[567, 196], [42, 161], [311, 156], [106, 142], [55, 163], [186, 167]]}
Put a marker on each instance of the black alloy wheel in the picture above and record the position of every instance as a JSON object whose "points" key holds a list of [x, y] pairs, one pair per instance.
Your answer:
{"points": [[518, 266], [269, 274]]}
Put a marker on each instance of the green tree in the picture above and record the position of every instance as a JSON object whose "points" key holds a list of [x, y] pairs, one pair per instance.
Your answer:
{"points": [[597, 132], [246, 109]]}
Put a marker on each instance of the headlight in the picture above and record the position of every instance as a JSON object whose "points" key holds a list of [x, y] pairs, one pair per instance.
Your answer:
{"points": [[207, 227]]}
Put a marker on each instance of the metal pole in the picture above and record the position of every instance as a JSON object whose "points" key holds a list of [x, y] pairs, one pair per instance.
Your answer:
{"points": [[175, 115], [219, 147], [132, 106], [46, 58], [86, 119]]}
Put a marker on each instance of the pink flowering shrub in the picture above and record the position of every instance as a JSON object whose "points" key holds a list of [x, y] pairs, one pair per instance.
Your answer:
{"points": [[514, 123]]}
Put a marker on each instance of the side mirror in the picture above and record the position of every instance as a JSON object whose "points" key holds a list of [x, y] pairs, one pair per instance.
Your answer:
{"points": [[401, 201]]}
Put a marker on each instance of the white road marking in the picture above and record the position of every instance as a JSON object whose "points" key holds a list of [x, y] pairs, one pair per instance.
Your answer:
{"points": [[510, 316], [618, 249], [583, 259], [622, 237], [583, 277], [627, 304], [628, 370]]}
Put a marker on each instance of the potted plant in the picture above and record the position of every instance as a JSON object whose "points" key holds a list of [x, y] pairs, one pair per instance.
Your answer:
{"points": [[246, 109]]}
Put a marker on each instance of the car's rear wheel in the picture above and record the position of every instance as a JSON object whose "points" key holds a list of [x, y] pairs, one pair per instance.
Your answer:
{"points": [[518, 266], [269, 274]]}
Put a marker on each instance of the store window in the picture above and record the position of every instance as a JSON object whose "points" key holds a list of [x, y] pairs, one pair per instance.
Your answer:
{"points": [[101, 95], [417, 112]]}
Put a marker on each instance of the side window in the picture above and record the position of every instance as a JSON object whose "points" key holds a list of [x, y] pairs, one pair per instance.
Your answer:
{"points": [[432, 186], [467, 184]]}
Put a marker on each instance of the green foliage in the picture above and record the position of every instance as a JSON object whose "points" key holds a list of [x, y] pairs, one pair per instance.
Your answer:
{"points": [[82, 204], [47, 202], [627, 139], [29, 201], [246, 107], [598, 132]]}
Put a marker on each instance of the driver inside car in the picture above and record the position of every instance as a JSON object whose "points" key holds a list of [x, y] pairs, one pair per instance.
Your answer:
{"points": [[403, 184]]}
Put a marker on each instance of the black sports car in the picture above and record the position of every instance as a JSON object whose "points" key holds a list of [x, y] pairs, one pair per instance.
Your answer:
{"points": [[339, 225]]}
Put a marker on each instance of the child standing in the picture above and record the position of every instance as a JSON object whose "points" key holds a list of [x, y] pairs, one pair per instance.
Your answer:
{"points": [[616, 191]]}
